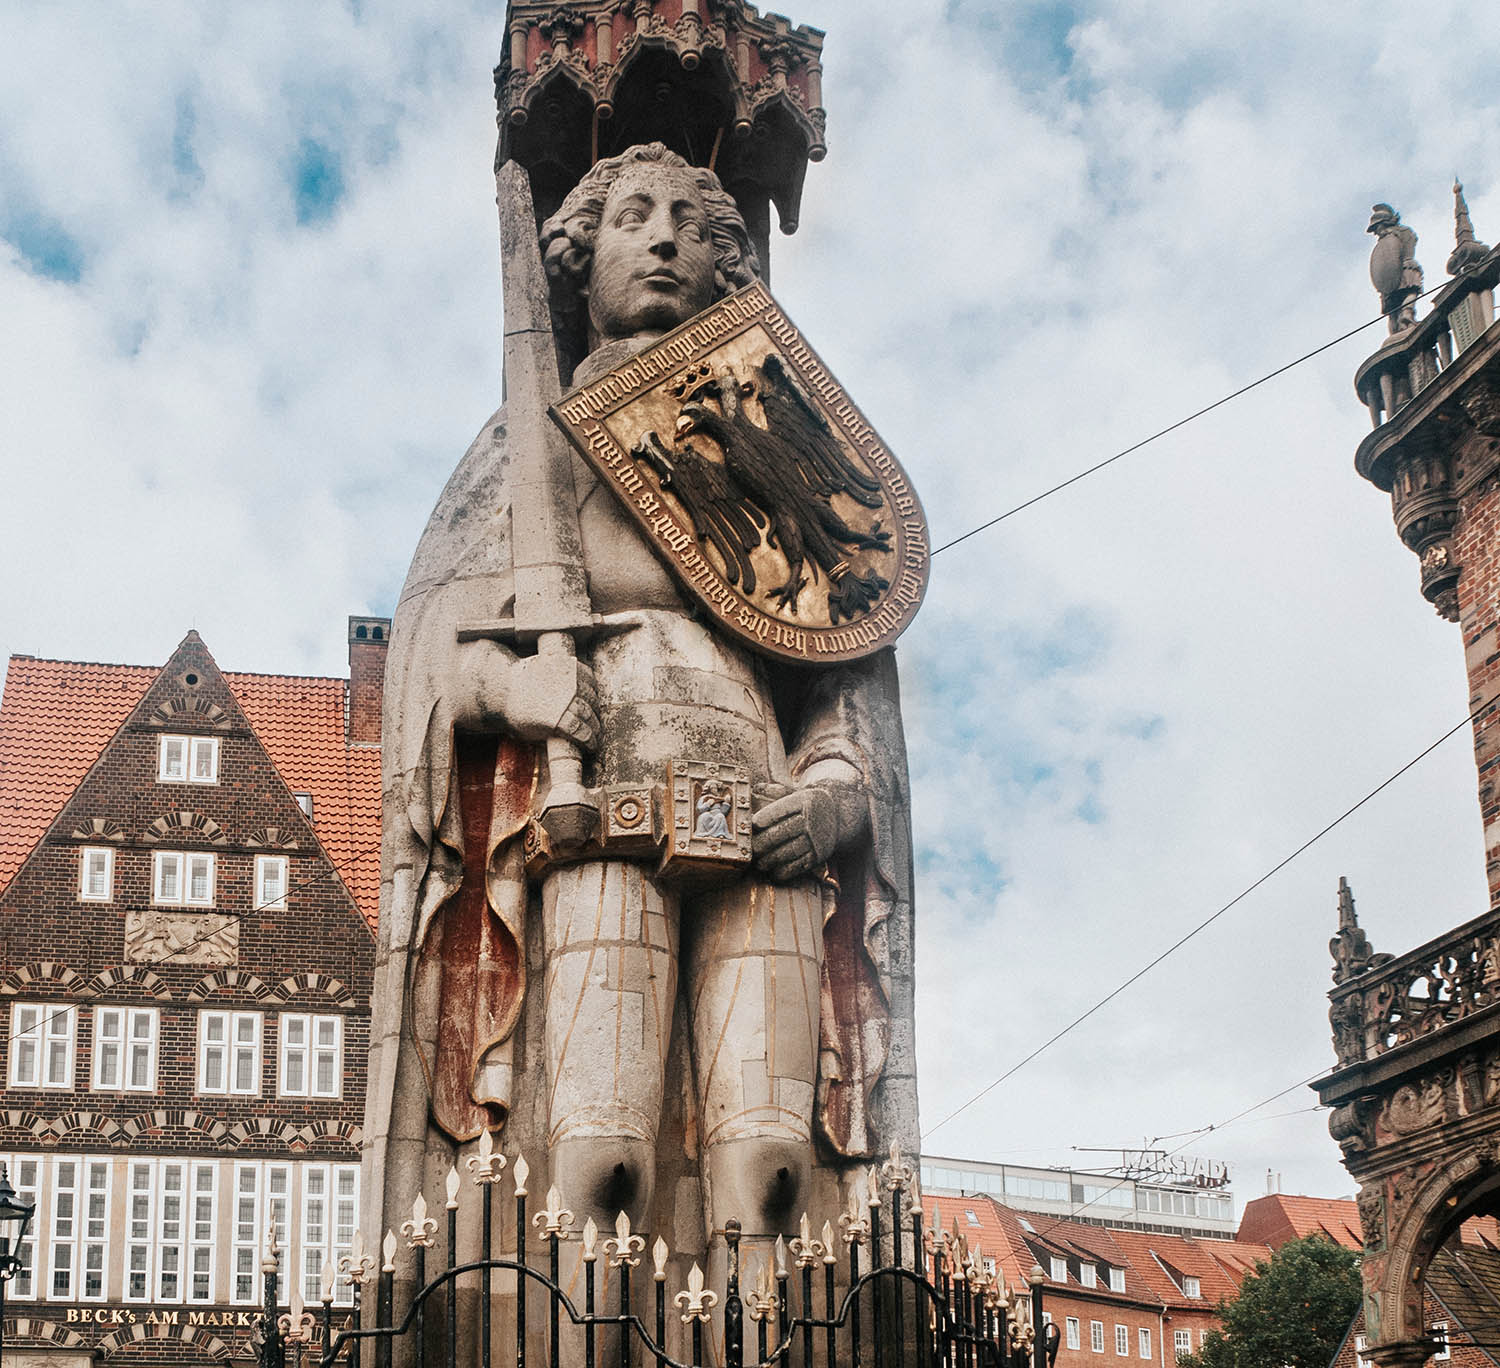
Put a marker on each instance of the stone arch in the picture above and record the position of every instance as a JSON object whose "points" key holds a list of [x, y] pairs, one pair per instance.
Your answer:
{"points": [[34, 1329], [18, 1119], [268, 1128], [81, 1122], [155, 1123], [112, 980], [41, 974], [1421, 1211], [129, 1337], [340, 1132], [183, 823], [324, 985], [228, 981], [189, 708], [99, 829]]}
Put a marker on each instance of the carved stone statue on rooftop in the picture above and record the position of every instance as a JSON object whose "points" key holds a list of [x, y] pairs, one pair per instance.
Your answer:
{"points": [[1394, 271], [687, 1051]]}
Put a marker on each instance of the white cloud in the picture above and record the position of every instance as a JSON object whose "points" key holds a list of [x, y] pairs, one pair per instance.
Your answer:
{"points": [[1126, 703]]}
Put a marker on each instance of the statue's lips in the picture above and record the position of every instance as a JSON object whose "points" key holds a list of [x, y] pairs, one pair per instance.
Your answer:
{"points": [[661, 279]]}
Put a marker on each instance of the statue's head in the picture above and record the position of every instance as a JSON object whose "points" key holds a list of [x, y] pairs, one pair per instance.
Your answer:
{"points": [[1382, 217], [642, 243]]}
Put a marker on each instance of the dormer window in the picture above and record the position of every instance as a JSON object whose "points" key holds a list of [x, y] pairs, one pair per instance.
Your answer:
{"points": [[1116, 1279], [188, 760], [1059, 1269], [1088, 1275], [1191, 1287], [304, 801]]}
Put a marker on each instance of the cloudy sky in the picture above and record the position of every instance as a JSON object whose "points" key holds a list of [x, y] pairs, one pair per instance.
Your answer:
{"points": [[250, 318]]}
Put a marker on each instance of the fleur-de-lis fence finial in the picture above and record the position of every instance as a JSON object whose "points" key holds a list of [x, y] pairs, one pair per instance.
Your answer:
{"points": [[762, 1297], [553, 1220], [356, 1265], [489, 1163], [806, 1249], [296, 1323], [659, 1252], [520, 1171], [452, 1186], [388, 1249], [828, 1244], [590, 1239], [326, 1286], [698, 1300], [624, 1248], [897, 1172], [421, 1229], [854, 1221]]}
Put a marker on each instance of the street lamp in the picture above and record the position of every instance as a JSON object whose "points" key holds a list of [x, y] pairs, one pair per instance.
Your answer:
{"points": [[15, 1217]]}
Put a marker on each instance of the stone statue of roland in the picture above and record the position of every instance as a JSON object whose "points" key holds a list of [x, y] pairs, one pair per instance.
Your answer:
{"points": [[687, 1052]]}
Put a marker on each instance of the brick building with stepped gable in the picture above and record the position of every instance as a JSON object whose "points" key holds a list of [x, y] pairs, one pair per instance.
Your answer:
{"points": [[189, 886]]}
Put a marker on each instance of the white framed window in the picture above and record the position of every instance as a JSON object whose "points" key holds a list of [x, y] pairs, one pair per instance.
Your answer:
{"points": [[95, 1229], [63, 1232], [41, 1044], [1143, 1337], [245, 1231], [1096, 1336], [96, 874], [1073, 1339], [1059, 1269], [1122, 1340], [138, 1231], [25, 1174], [188, 760], [125, 1049], [305, 802], [171, 1183], [1088, 1275], [229, 1053], [1191, 1287], [1442, 1350], [1116, 1279], [1360, 1345], [270, 883], [312, 1055], [201, 1241], [1182, 1342], [182, 878]]}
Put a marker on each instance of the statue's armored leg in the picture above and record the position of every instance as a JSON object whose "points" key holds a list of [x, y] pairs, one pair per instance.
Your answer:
{"points": [[752, 954], [610, 985]]}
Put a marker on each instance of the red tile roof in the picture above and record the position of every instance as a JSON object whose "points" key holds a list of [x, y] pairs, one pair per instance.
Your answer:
{"points": [[1278, 1217], [57, 715]]}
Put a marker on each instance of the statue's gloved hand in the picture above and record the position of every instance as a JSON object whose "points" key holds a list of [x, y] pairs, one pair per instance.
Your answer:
{"points": [[532, 697], [552, 695], [796, 832]]}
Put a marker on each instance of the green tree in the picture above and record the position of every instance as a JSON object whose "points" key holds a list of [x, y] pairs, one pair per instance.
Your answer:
{"points": [[1292, 1312]]}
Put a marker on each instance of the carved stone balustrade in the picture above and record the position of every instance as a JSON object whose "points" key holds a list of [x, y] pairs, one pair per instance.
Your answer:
{"points": [[1404, 999]]}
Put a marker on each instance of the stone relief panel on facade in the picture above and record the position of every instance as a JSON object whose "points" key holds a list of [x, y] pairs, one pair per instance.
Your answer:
{"points": [[153, 934]]}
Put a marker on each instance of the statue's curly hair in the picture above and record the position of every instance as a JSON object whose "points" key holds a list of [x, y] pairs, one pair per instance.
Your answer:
{"points": [[567, 238]]}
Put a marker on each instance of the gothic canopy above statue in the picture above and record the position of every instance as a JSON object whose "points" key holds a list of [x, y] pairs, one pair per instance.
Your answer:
{"points": [[717, 82]]}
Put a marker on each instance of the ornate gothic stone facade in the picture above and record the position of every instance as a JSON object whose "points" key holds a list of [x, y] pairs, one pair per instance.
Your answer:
{"points": [[1416, 1091]]}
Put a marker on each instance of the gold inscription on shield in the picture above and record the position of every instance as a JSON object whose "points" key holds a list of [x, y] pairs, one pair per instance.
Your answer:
{"points": [[759, 483]]}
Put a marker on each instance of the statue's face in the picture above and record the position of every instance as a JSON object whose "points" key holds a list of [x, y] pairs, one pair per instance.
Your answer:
{"points": [[653, 265]]}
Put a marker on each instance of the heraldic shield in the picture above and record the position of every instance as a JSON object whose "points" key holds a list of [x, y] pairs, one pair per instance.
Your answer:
{"points": [[759, 483]]}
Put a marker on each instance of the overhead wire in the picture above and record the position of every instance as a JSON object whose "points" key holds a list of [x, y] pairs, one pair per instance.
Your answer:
{"points": [[1213, 917], [1172, 427]]}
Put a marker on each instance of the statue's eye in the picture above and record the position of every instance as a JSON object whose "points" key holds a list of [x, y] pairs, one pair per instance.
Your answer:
{"points": [[693, 230], [628, 218]]}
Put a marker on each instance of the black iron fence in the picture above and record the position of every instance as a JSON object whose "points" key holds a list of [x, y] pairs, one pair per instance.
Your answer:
{"points": [[932, 1300]]}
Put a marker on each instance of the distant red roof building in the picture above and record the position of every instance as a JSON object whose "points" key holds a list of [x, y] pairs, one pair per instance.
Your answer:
{"points": [[1278, 1217], [1114, 1293]]}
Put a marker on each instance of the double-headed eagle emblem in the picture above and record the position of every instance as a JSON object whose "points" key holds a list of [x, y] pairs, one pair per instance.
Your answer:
{"points": [[758, 482], [771, 485]]}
